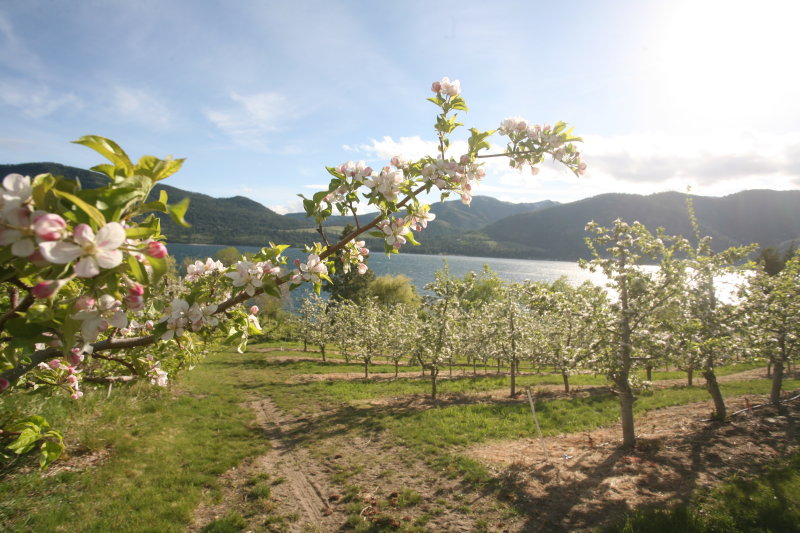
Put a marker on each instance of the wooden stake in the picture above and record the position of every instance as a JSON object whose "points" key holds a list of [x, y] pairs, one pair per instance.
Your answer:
{"points": [[538, 428]]}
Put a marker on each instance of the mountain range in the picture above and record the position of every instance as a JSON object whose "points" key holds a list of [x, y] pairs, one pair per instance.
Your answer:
{"points": [[488, 227]]}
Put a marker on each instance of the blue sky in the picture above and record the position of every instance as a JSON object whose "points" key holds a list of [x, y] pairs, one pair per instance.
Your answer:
{"points": [[259, 96]]}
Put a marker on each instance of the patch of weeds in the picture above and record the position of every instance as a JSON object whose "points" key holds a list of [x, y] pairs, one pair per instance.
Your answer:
{"points": [[230, 523], [408, 498], [259, 491], [278, 480], [343, 473], [481, 526], [351, 494]]}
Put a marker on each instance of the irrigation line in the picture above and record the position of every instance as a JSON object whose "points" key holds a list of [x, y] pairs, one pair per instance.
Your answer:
{"points": [[752, 407]]}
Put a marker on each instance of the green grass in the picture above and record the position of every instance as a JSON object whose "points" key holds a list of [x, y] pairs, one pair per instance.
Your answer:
{"points": [[166, 448], [769, 502], [459, 425]]}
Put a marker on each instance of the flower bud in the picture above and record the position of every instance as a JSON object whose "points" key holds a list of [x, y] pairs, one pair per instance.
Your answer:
{"points": [[148, 325], [253, 309], [45, 289], [436, 87], [156, 250], [4, 384], [136, 290], [54, 364], [49, 227]]}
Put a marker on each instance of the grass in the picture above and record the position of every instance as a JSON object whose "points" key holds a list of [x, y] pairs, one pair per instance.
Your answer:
{"points": [[769, 502], [162, 450], [467, 424], [165, 448]]}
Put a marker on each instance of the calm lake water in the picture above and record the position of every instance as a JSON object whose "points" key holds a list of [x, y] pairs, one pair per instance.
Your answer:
{"points": [[421, 268]]}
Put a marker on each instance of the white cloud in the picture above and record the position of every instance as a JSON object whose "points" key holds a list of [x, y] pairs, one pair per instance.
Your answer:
{"points": [[252, 117], [141, 106], [34, 100], [712, 162], [294, 206], [14, 54]]}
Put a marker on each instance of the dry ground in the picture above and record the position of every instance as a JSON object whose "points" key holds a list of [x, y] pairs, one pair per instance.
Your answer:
{"points": [[587, 480]]}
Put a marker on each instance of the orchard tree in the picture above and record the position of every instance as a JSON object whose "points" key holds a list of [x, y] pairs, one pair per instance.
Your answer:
{"points": [[772, 308], [621, 252], [83, 269], [712, 325], [569, 324], [316, 324]]}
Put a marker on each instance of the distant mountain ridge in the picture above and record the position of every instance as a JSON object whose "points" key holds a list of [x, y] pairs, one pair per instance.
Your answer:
{"points": [[489, 227]]}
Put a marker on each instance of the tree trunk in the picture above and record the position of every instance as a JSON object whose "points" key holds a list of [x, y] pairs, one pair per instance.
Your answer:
{"points": [[474, 368], [777, 382], [396, 363], [566, 380], [305, 345], [713, 389], [322, 349], [649, 370], [626, 400], [366, 368], [434, 373], [769, 369], [450, 364], [513, 376], [690, 376]]}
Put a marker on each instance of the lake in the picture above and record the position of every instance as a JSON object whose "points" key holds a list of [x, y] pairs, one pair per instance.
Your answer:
{"points": [[421, 268]]}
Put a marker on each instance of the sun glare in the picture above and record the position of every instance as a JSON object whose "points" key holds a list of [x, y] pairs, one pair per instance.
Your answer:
{"points": [[728, 60]]}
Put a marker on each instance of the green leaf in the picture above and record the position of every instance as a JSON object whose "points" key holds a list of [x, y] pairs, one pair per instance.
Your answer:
{"points": [[137, 272], [91, 211], [108, 170], [51, 451], [110, 150], [159, 269], [177, 212], [26, 440], [140, 232], [158, 169], [332, 171], [19, 327]]}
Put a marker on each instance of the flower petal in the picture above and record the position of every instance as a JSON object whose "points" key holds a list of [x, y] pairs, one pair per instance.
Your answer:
{"points": [[86, 267], [110, 237], [60, 252], [108, 258]]}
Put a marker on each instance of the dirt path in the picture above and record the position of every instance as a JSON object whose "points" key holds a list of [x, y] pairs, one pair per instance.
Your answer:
{"points": [[298, 489]]}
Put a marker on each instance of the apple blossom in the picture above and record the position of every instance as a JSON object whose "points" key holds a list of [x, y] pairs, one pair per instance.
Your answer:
{"points": [[94, 251], [17, 191]]}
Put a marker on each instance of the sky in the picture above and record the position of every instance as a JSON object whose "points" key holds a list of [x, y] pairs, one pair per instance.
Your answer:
{"points": [[260, 96]]}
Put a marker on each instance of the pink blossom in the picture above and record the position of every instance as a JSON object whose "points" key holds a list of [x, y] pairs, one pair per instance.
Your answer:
{"points": [[45, 289], [94, 251], [84, 302], [54, 364], [156, 250], [436, 87], [136, 289], [253, 309], [49, 226]]}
